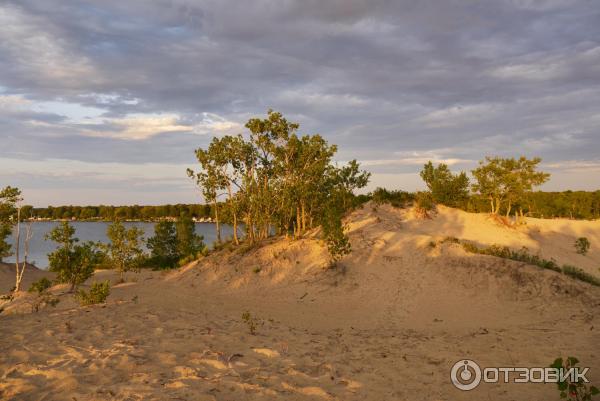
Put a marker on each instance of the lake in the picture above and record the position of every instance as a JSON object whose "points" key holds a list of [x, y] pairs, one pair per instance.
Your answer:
{"points": [[39, 248]]}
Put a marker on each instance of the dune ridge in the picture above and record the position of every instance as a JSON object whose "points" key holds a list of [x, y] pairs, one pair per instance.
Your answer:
{"points": [[386, 324]]}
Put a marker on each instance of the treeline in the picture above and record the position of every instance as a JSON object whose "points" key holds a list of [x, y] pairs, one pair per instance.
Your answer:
{"points": [[501, 186], [109, 213], [583, 205]]}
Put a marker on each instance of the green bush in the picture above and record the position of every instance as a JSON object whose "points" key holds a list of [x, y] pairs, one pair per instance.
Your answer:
{"points": [[72, 263], [163, 246], [578, 390], [424, 203], [40, 286], [44, 298], [251, 321], [97, 294], [445, 187], [523, 255], [582, 245], [398, 199]]}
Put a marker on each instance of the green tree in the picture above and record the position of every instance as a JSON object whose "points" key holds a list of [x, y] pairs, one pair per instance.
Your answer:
{"points": [[351, 178], [124, 249], [446, 188], [275, 178], [72, 263], [163, 245], [188, 243], [9, 197], [338, 243], [507, 181]]}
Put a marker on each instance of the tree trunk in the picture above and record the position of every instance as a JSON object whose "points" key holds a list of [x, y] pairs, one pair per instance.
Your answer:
{"points": [[17, 246], [235, 234], [508, 208], [298, 222], [218, 226], [303, 217], [497, 210]]}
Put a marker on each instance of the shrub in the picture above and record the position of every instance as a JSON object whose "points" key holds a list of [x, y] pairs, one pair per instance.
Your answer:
{"points": [[124, 249], [251, 322], [338, 243], [446, 188], [523, 255], [43, 297], [398, 199], [579, 274], [97, 294], [582, 245], [40, 286], [188, 242], [424, 203], [73, 263], [452, 240], [572, 390], [163, 246]]}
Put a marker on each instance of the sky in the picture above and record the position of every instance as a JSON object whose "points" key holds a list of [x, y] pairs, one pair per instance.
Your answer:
{"points": [[104, 102]]}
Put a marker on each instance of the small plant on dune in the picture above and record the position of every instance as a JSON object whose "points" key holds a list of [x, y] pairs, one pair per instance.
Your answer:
{"points": [[582, 245], [424, 204], [581, 275], [524, 256], [40, 286], [576, 391], [451, 240], [98, 293], [338, 243], [43, 298], [251, 321]]}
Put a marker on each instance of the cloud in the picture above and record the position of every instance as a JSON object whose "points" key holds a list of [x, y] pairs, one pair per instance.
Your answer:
{"points": [[141, 82]]}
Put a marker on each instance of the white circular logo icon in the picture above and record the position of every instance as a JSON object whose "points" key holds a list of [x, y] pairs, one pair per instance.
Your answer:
{"points": [[465, 375]]}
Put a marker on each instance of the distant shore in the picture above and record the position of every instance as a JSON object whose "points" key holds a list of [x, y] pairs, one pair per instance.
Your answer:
{"points": [[194, 219]]}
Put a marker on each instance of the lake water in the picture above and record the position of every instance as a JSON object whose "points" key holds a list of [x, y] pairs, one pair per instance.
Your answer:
{"points": [[39, 248]]}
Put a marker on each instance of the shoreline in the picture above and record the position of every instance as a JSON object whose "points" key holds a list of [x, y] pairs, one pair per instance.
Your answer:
{"points": [[173, 219]]}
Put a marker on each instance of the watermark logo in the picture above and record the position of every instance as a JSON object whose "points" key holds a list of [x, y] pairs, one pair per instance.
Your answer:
{"points": [[467, 374]]}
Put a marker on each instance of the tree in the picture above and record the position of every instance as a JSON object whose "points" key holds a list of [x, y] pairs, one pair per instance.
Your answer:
{"points": [[446, 188], [275, 178], [72, 263], [507, 181], [188, 243], [124, 249], [9, 197], [163, 245], [338, 243], [210, 180], [351, 178]]}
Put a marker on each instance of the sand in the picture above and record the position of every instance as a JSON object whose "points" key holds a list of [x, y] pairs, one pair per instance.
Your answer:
{"points": [[387, 324]]}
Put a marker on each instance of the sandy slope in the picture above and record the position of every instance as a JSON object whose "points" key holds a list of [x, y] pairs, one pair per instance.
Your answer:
{"points": [[8, 273], [388, 324]]}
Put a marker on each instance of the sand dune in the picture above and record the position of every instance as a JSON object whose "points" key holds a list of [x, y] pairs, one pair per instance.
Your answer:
{"points": [[387, 324], [8, 273]]}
